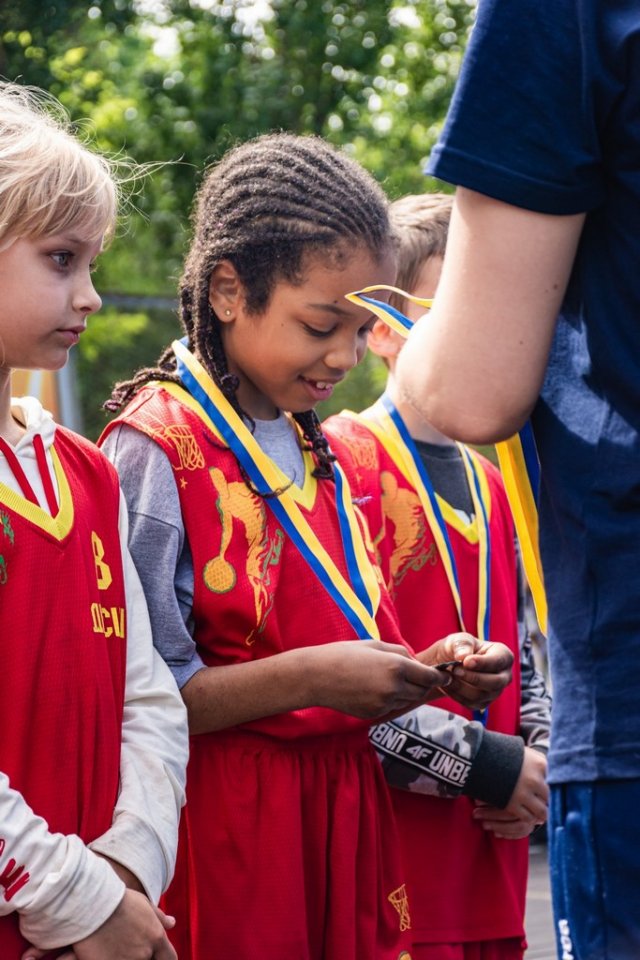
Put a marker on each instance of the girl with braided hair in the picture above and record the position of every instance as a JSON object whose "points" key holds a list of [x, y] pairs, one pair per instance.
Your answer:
{"points": [[273, 627]]}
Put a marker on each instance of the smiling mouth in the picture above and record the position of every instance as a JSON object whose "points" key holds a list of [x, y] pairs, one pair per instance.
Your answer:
{"points": [[321, 389]]}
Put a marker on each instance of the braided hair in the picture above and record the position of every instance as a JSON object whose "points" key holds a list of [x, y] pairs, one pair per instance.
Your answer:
{"points": [[266, 205]]}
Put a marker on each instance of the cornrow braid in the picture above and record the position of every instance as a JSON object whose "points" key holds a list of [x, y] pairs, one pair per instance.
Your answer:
{"points": [[265, 206], [318, 443]]}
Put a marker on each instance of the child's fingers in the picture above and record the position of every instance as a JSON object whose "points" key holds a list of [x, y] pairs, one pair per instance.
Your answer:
{"points": [[167, 921], [385, 647], [481, 678], [502, 824], [489, 813], [460, 645], [425, 678], [533, 808], [34, 953], [492, 658], [510, 831]]}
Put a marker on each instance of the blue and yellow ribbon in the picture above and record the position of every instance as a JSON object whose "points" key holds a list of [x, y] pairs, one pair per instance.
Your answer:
{"points": [[517, 457], [386, 423], [520, 467], [357, 600], [384, 311]]}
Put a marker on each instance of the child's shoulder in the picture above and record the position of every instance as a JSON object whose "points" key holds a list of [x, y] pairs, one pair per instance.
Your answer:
{"points": [[85, 465], [151, 410], [349, 436], [68, 440], [357, 449], [347, 426]]}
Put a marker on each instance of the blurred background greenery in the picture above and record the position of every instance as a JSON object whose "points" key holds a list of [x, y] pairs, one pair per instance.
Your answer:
{"points": [[179, 81]]}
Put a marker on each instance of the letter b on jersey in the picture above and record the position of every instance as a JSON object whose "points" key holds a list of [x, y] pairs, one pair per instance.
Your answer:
{"points": [[103, 573]]}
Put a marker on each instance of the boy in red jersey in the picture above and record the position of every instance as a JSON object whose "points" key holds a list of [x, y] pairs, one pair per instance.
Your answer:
{"points": [[440, 522], [94, 742]]}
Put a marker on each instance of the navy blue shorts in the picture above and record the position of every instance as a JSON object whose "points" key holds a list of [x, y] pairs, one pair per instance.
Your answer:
{"points": [[594, 854]]}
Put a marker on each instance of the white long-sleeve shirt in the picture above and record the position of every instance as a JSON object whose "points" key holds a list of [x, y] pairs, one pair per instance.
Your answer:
{"points": [[71, 892]]}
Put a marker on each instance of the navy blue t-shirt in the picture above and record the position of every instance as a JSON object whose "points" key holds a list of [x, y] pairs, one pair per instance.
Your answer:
{"points": [[546, 116]]}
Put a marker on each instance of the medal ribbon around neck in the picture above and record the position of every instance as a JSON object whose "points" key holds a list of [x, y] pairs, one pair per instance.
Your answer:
{"points": [[357, 600], [520, 468], [384, 311], [401, 448], [517, 457], [384, 420]]}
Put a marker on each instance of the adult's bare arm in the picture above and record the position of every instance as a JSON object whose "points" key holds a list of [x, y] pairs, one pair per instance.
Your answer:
{"points": [[474, 365]]}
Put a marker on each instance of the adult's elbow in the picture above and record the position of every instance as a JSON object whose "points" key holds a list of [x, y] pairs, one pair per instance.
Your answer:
{"points": [[470, 418], [471, 425]]}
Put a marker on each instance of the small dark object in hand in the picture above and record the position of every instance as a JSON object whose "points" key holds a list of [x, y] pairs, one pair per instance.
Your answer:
{"points": [[447, 664]]}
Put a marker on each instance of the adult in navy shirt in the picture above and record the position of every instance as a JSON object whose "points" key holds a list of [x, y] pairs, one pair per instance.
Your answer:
{"points": [[538, 315]]}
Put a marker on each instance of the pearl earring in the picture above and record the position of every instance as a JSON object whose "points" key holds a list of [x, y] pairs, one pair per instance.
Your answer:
{"points": [[227, 313]]}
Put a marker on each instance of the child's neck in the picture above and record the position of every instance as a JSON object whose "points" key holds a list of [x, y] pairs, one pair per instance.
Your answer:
{"points": [[418, 427], [10, 429]]}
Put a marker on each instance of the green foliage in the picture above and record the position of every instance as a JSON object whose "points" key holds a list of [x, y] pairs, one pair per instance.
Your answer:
{"points": [[176, 82], [363, 385], [114, 345], [34, 32]]}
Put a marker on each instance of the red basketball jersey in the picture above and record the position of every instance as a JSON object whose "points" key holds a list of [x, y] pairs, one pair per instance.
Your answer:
{"points": [[464, 884], [63, 629], [287, 843]]}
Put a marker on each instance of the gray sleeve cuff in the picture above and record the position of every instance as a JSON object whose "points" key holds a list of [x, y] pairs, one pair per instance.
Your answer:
{"points": [[495, 770]]}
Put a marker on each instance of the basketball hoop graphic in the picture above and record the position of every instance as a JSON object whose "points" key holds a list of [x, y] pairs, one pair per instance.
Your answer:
{"points": [[398, 898]]}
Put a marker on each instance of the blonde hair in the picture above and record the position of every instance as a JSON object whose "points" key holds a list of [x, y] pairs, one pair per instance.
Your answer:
{"points": [[420, 224], [49, 179]]}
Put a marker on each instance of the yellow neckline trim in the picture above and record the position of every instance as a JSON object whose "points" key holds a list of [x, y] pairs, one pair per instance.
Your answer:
{"points": [[468, 530], [305, 495], [58, 526]]}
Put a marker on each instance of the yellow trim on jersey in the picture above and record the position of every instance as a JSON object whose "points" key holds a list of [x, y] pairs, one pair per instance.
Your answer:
{"points": [[304, 495], [381, 424], [453, 519], [58, 526]]}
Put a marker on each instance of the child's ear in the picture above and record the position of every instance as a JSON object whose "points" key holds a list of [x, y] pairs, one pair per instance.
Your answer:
{"points": [[384, 341], [226, 293]]}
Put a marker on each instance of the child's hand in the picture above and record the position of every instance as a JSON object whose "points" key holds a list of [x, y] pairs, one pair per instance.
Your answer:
{"points": [[134, 931], [132, 882], [35, 953], [369, 678], [484, 672], [528, 805]]}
